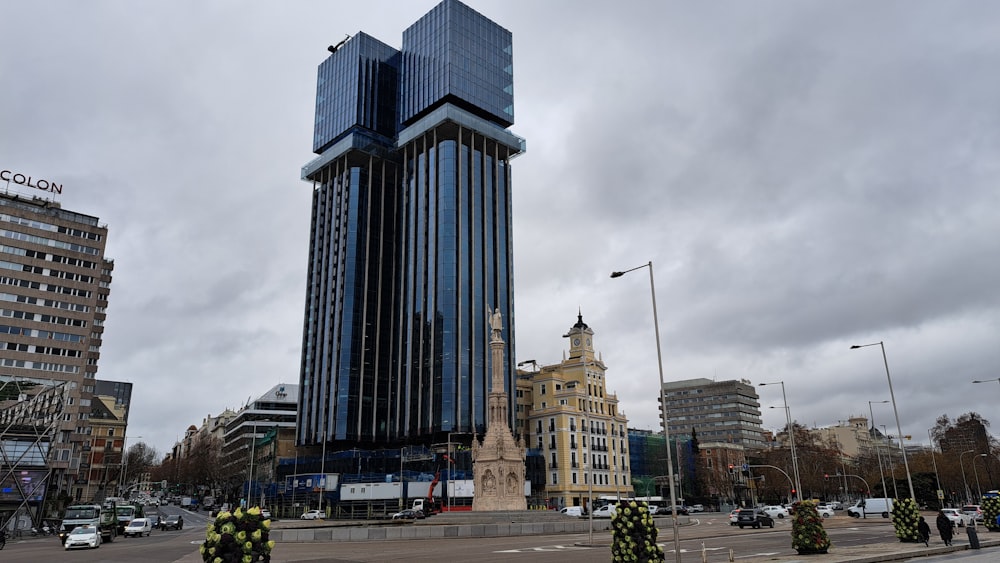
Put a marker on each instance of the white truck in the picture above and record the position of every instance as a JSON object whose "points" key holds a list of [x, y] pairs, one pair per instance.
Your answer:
{"points": [[102, 518]]}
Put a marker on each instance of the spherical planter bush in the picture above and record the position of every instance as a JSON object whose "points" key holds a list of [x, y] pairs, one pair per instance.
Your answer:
{"points": [[991, 509], [808, 534], [905, 517], [238, 537], [634, 534]]}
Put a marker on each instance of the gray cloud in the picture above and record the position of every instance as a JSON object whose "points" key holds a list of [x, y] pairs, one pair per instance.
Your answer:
{"points": [[804, 176]]}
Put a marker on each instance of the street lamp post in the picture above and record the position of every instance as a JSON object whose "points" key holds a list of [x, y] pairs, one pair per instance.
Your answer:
{"points": [[253, 444], [123, 474], [899, 427], [322, 474], [889, 461], [965, 482], [937, 476], [885, 491], [987, 380], [975, 472], [451, 462], [791, 439], [663, 407]]}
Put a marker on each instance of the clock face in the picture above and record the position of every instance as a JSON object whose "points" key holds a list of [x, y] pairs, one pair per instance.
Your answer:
{"points": [[576, 342]]}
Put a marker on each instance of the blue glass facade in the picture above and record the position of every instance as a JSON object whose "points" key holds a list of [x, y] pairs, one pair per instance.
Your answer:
{"points": [[456, 55], [357, 89], [411, 233]]}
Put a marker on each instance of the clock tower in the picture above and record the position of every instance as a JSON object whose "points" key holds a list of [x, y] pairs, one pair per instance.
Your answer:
{"points": [[581, 339]]}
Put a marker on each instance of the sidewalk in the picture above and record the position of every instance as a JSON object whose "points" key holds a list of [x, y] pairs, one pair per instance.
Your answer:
{"points": [[874, 553]]}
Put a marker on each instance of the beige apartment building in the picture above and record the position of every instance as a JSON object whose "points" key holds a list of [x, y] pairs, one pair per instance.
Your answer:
{"points": [[565, 411], [54, 286]]}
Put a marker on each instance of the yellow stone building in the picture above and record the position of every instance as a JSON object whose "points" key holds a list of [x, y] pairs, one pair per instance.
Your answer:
{"points": [[566, 412]]}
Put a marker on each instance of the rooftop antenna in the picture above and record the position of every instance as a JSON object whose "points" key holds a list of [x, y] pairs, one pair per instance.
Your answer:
{"points": [[333, 48]]}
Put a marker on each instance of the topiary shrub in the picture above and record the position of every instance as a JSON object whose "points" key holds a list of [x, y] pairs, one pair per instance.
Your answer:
{"points": [[237, 537], [634, 534], [991, 509], [808, 534], [905, 517]]}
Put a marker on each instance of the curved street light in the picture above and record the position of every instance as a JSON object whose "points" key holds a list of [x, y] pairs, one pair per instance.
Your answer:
{"points": [[899, 427], [791, 439], [663, 408], [975, 472], [987, 380]]}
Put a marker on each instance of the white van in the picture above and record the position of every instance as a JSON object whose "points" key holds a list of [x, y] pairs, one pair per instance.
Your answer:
{"points": [[606, 511], [572, 511], [874, 506]]}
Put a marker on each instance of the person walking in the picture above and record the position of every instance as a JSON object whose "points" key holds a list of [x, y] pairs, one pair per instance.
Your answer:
{"points": [[945, 527], [924, 529]]}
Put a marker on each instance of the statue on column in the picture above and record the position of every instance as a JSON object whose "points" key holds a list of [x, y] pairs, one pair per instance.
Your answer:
{"points": [[496, 324]]}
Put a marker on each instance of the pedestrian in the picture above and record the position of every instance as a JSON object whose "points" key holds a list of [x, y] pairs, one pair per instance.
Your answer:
{"points": [[924, 530], [945, 527]]}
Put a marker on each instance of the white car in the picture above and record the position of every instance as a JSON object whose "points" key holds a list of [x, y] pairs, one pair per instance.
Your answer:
{"points": [[696, 508], [775, 511], [84, 536], [138, 527], [313, 515], [734, 517], [957, 517], [825, 511]]}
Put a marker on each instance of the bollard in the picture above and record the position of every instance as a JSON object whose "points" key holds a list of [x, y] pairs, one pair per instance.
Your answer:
{"points": [[973, 536]]}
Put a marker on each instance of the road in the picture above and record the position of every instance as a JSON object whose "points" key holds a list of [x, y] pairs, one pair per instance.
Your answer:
{"points": [[158, 546], [708, 532]]}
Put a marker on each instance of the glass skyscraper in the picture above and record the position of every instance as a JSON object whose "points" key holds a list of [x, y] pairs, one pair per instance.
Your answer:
{"points": [[411, 233]]}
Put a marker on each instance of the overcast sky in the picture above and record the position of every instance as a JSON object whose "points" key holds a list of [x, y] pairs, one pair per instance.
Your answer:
{"points": [[804, 176]]}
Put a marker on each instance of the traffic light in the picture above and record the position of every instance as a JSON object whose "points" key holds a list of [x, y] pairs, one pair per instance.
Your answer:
{"points": [[826, 476], [793, 492], [730, 468]]}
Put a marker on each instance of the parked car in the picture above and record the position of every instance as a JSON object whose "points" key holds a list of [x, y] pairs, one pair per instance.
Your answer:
{"points": [[733, 517], [138, 527], [775, 511], [409, 514], [84, 536], [696, 508], [571, 511], [825, 511], [835, 505], [957, 517], [172, 522], [754, 518], [974, 511], [266, 514], [313, 515]]}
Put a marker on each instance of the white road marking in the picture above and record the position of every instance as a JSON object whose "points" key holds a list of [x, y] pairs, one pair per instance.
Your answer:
{"points": [[544, 548]]}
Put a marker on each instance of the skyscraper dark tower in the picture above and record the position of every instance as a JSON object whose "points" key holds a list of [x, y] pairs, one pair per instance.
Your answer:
{"points": [[411, 246]]}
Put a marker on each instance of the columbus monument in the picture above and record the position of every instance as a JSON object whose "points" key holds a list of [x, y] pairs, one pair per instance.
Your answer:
{"points": [[498, 462]]}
